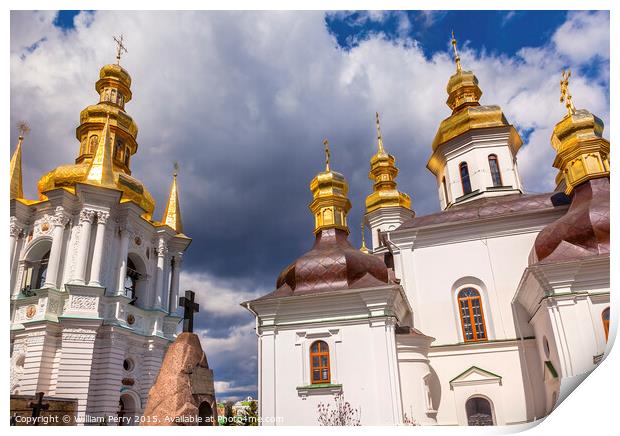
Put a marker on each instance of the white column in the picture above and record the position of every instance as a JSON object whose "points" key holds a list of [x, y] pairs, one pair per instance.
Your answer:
{"points": [[59, 221], [95, 270], [16, 231], [86, 218], [122, 268], [159, 278], [174, 283]]}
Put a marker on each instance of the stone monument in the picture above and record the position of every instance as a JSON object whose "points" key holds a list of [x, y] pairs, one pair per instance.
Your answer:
{"points": [[183, 393]]}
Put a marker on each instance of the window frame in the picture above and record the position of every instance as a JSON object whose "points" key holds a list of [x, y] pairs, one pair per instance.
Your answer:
{"points": [[466, 166], [493, 157], [320, 353], [470, 308]]}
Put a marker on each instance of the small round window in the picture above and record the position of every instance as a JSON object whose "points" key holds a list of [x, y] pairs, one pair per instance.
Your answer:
{"points": [[128, 365]]}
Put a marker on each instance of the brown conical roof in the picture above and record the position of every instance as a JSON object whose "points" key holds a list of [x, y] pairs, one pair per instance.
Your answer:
{"points": [[332, 264]]}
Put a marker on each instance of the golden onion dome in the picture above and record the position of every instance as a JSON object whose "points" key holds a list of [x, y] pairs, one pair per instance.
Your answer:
{"points": [[105, 124], [383, 172], [582, 152], [464, 101], [330, 204]]}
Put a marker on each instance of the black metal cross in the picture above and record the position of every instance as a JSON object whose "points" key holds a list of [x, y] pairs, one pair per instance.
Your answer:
{"points": [[190, 307], [38, 407]]}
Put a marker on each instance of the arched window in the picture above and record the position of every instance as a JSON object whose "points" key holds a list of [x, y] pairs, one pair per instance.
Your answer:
{"points": [[445, 190], [131, 278], [472, 317], [465, 183], [42, 271], [605, 316], [118, 150], [495, 174], [479, 411], [319, 362]]}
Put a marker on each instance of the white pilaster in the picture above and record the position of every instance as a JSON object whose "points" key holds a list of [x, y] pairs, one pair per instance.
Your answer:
{"points": [[16, 231], [95, 271], [122, 268], [86, 219], [174, 285], [159, 278], [59, 221]]}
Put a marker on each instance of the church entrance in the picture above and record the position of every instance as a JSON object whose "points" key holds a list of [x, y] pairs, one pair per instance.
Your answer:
{"points": [[127, 410], [479, 411], [205, 413]]}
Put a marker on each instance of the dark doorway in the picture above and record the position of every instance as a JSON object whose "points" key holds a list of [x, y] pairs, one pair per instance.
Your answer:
{"points": [[479, 411], [205, 414]]}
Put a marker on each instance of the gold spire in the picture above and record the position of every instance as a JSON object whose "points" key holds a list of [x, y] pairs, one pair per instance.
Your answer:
{"points": [[17, 186], [582, 152], [565, 96], [330, 204], [383, 172], [363, 248], [457, 58], [101, 170], [172, 214]]}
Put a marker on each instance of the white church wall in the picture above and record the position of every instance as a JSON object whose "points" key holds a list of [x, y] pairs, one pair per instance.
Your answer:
{"points": [[506, 390], [492, 266], [362, 365]]}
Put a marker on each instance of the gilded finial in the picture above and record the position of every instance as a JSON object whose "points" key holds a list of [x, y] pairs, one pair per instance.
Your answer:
{"points": [[119, 48], [175, 165], [16, 186], [565, 96], [457, 58], [327, 154], [379, 137], [363, 248], [23, 129]]}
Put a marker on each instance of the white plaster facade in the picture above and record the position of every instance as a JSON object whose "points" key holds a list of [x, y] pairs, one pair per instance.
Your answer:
{"points": [[74, 331]]}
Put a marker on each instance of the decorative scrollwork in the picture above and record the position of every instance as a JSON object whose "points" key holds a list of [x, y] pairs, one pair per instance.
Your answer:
{"points": [[87, 215]]}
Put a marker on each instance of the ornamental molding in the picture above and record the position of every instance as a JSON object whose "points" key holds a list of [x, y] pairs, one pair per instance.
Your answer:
{"points": [[82, 303], [162, 248], [102, 217], [60, 218], [78, 335], [87, 215], [16, 230], [43, 226]]}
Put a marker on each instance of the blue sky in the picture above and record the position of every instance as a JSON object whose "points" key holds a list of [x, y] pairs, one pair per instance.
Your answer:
{"points": [[243, 100]]}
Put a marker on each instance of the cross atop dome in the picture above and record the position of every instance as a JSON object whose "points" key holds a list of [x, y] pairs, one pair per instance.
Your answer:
{"points": [[119, 48]]}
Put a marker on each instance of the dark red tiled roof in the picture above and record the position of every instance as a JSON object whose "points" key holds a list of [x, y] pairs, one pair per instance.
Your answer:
{"points": [[332, 264], [583, 231], [489, 207]]}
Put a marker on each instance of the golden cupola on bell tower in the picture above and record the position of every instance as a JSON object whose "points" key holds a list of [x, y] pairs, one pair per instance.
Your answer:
{"points": [[383, 173], [105, 127], [475, 148], [330, 204]]}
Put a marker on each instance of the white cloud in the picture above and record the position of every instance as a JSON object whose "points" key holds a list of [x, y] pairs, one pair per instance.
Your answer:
{"points": [[220, 296], [583, 36]]}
